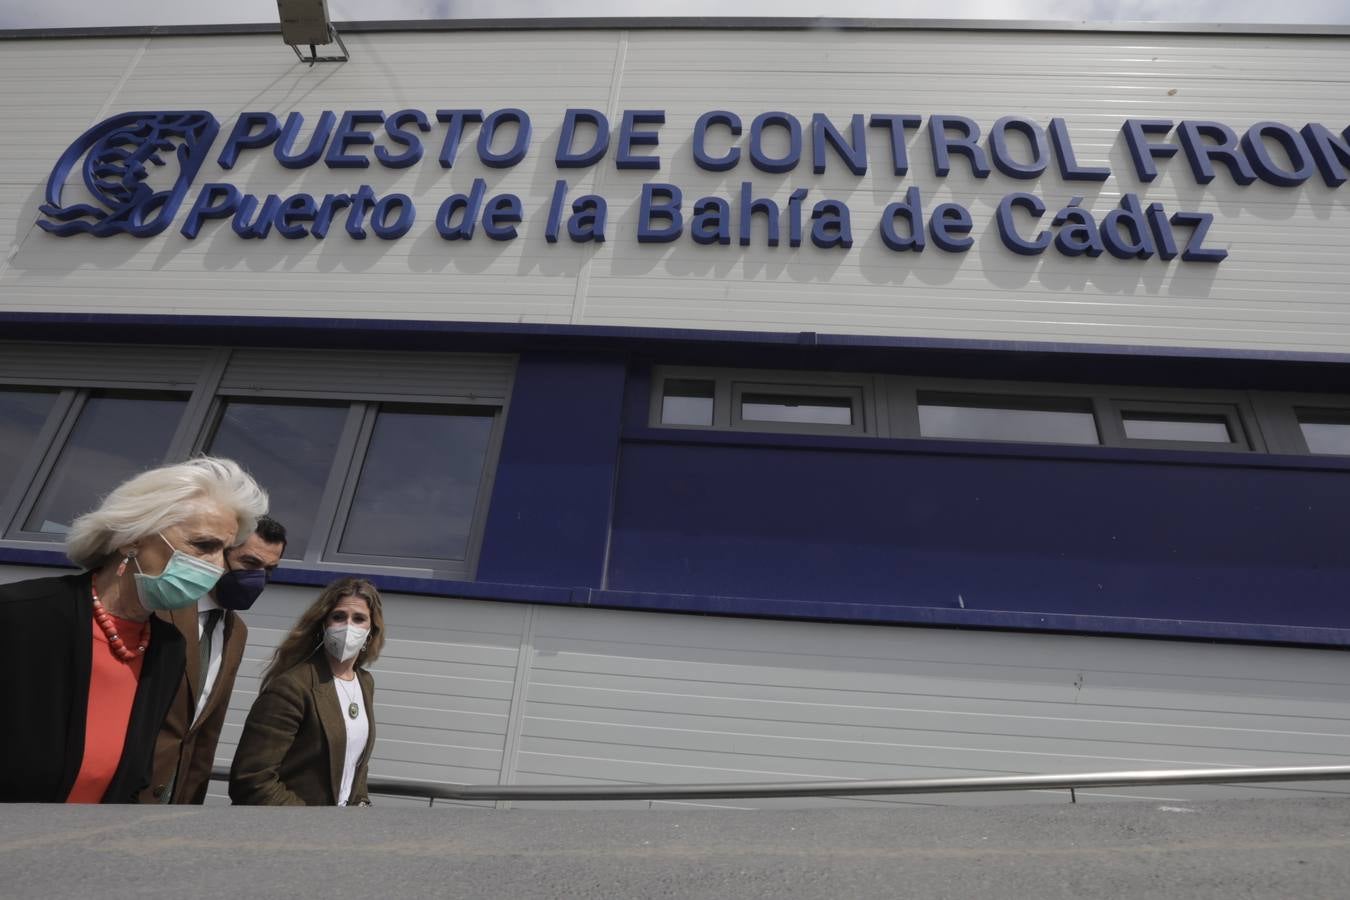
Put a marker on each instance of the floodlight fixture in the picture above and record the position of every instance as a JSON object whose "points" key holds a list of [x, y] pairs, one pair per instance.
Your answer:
{"points": [[306, 23]]}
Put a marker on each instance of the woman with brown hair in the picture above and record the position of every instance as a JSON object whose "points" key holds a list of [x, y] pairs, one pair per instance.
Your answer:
{"points": [[308, 738]]}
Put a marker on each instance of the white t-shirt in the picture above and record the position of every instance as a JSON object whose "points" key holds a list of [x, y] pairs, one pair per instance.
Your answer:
{"points": [[358, 732]]}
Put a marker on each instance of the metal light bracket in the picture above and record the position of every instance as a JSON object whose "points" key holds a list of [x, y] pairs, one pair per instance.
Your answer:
{"points": [[305, 23], [314, 57]]}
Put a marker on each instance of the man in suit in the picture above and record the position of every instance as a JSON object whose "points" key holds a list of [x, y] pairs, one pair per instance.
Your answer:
{"points": [[215, 635]]}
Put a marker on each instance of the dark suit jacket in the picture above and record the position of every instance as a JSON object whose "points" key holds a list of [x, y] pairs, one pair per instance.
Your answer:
{"points": [[48, 632], [295, 738], [186, 748]]}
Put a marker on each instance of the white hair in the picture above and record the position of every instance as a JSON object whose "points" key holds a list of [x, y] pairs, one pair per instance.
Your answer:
{"points": [[162, 498]]}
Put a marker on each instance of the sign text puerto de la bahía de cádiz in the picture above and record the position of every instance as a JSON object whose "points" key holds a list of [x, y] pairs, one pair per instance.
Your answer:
{"points": [[118, 153]]}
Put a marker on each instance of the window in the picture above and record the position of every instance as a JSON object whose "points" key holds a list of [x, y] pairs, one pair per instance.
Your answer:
{"points": [[1045, 420], [752, 400], [798, 408], [896, 406], [377, 460], [23, 414], [1317, 424], [290, 448], [687, 401], [113, 438], [1176, 424], [63, 450], [1165, 427], [418, 488], [1325, 431], [804, 408], [369, 483]]}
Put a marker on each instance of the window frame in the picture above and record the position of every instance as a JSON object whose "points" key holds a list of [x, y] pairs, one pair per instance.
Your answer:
{"points": [[339, 487], [35, 468], [729, 385], [312, 557], [855, 394], [890, 404], [1340, 417], [346, 496], [659, 412], [199, 375], [41, 475], [1239, 437], [1279, 415], [991, 400]]}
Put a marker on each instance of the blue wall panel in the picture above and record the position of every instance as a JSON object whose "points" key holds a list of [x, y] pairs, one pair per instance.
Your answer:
{"points": [[1110, 538], [549, 519]]}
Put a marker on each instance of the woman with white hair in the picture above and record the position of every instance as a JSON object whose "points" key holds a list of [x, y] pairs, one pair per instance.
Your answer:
{"points": [[91, 672]]}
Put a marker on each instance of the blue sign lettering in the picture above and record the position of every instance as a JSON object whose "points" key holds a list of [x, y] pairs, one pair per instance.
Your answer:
{"points": [[137, 168]]}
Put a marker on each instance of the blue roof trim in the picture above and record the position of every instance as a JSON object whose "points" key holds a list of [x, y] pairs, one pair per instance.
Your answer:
{"points": [[285, 330], [829, 611]]}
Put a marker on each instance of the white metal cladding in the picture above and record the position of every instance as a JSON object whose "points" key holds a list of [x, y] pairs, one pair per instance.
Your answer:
{"points": [[485, 693], [1281, 288]]}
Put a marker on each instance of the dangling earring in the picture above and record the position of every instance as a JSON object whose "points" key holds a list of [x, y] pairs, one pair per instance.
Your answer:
{"points": [[122, 566]]}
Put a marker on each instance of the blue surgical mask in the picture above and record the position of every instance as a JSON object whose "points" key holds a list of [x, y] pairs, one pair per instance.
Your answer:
{"points": [[184, 581], [239, 588]]}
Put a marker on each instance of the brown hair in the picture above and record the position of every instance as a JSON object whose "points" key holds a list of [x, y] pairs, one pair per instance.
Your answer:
{"points": [[307, 635]]}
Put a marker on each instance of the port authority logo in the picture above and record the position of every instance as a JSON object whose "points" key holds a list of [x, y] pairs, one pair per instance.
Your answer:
{"points": [[136, 167]]}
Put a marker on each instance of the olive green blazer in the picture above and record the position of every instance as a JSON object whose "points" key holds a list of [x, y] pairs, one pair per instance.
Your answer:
{"points": [[295, 739]]}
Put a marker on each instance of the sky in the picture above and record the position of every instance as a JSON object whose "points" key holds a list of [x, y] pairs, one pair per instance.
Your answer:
{"points": [[83, 13]]}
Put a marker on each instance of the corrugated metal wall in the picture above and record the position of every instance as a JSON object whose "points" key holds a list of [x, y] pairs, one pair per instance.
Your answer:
{"points": [[504, 693], [486, 693], [1280, 288]]}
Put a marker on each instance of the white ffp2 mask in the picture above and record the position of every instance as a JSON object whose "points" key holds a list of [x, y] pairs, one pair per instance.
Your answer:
{"points": [[344, 641]]}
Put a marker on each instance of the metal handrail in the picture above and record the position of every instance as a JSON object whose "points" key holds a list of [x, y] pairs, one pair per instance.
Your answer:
{"points": [[439, 790]]}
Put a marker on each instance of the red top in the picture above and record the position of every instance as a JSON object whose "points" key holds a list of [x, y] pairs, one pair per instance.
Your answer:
{"points": [[112, 690]]}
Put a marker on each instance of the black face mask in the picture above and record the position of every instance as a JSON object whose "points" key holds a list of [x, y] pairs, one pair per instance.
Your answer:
{"points": [[238, 588]]}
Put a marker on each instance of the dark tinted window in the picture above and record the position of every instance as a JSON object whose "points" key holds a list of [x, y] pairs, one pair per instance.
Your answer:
{"points": [[419, 483], [289, 449], [22, 415], [114, 438]]}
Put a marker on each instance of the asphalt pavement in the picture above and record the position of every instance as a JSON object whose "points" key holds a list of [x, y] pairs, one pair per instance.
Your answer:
{"points": [[1222, 849]]}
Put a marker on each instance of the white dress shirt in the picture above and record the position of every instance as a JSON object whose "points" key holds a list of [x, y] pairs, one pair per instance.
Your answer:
{"points": [[204, 606]]}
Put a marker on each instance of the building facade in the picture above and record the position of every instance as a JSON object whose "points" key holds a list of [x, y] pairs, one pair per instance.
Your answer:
{"points": [[719, 403]]}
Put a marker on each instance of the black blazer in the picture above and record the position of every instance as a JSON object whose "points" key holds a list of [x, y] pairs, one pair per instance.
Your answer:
{"points": [[47, 625]]}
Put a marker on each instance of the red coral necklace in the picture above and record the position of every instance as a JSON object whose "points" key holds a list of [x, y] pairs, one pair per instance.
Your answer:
{"points": [[115, 642]]}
